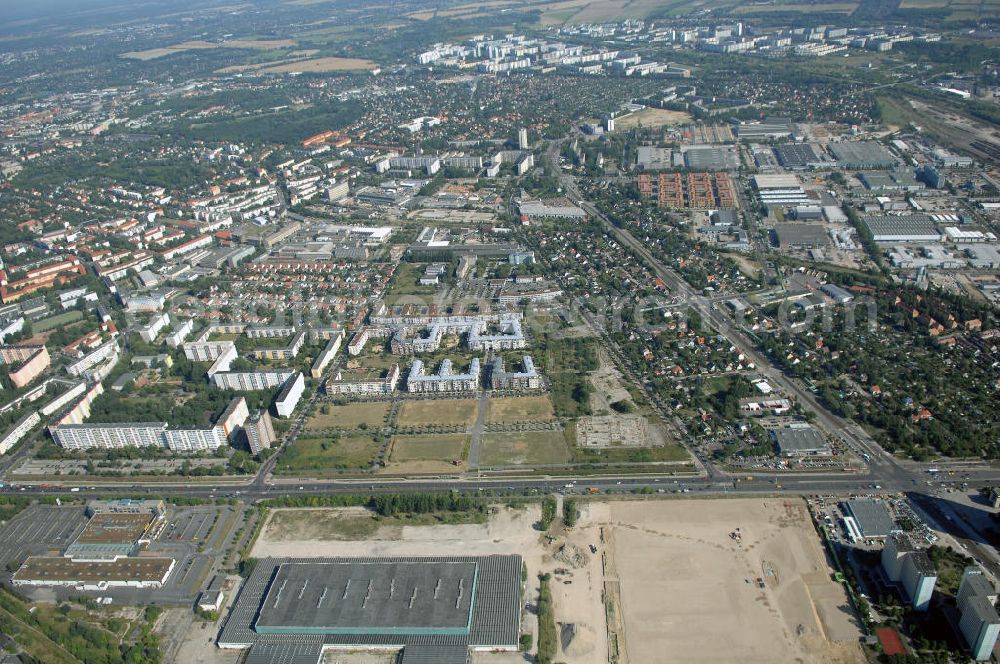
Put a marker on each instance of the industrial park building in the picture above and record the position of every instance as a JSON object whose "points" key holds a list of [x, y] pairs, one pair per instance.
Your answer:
{"points": [[901, 228], [434, 609], [779, 190], [795, 441], [872, 517]]}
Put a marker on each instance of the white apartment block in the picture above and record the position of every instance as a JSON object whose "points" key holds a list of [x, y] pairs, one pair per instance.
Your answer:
{"points": [[326, 356], [206, 351], [19, 431], [152, 329], [102, 353], [250, 381], [290, 395], [385, 385], [180, 333]]}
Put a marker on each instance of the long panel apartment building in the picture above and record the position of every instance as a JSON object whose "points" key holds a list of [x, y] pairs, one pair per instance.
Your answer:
{"points": [[150, 434], [373, 386]]}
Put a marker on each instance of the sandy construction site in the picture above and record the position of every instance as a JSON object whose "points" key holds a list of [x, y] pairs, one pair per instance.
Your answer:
{"points": [[689, 589], [680, 587]]}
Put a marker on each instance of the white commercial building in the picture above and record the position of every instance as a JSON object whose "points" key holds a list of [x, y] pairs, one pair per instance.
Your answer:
{"points": [[779, 189]]}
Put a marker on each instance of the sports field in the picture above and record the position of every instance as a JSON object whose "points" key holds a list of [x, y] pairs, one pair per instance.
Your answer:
{"points": [[437, 412]]}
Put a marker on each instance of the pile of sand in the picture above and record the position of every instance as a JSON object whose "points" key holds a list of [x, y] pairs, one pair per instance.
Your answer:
{"points": [[572, 555], [577, 639]]}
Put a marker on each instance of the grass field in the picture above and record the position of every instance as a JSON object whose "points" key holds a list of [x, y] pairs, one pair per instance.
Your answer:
{"points": [[350, 416], [527, 448], [443, 447], [406, 284], [521, 409], [53, 322], [444, 412], [317, 456], [254, 44], [835, 7], [322, 65], [652, 117]]}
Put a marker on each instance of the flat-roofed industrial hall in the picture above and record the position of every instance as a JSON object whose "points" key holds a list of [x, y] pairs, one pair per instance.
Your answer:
{"points": [[445, 605]]}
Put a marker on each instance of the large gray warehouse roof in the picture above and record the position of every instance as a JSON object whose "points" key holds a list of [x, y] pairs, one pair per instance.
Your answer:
{"points": [[435, 655], [799, 440], [285, 653], [493, 598], [899, 228], [346, 597], [865, 154], [872, 517], [801, 235], [711, 158]]}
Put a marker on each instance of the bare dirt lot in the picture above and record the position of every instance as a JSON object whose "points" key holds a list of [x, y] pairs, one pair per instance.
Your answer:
{"points": [[681, 589], [652, 117], [706, 604]]}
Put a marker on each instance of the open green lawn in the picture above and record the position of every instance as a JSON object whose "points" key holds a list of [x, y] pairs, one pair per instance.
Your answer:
{"points": [[59, 320], [349, 416], [440, 447], [524, 448], [318, 455], [433, 412], [672, 453], [406, 285], [521, 409]]}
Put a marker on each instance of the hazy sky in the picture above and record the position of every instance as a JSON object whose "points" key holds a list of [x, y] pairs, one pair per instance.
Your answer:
{"points": [[29, 9]]}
